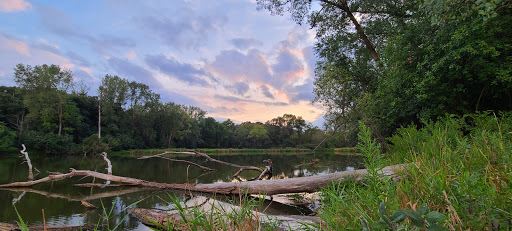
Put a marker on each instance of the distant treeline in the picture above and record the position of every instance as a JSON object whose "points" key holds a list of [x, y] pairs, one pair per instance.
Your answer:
{"points": [[48, 112]]}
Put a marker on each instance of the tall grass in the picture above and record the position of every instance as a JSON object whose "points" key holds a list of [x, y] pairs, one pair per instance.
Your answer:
{"points": [[460, 178]]}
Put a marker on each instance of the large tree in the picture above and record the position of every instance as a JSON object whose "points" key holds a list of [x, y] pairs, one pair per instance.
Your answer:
{"points": [[429, 58], [46, 94]]}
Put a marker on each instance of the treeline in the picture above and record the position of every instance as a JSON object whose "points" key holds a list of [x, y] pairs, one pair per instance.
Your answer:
{"points": [[49, 112]]}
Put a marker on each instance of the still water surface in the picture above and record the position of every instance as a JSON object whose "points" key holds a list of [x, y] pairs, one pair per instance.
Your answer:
{"points": [[61, 201]]}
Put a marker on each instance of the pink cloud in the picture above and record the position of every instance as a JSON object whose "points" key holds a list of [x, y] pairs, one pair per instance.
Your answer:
{"points": [[260, 111], [131, 55], [14, 5], [10, 44], [13, 51]]}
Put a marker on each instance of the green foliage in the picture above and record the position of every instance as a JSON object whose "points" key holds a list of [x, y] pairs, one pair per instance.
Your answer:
{"points": [[421, 218], [46, 95], [21, 224], [370, 148], [108, 215], [93, 145], [459, 172], [50, 143], [7, 137], [436, 57]]}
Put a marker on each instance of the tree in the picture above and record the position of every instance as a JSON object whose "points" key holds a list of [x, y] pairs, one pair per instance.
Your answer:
{"points": [[433, 58], [12, 110], [112, 96], [258, 136], [7, 137], [46, 95]]}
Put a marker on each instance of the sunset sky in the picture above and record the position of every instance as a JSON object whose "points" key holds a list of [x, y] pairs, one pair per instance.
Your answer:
{"points": [[224, 56]]}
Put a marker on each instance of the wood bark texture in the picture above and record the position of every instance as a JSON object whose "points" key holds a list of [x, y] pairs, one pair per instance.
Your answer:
{"points": [[267, 187]]}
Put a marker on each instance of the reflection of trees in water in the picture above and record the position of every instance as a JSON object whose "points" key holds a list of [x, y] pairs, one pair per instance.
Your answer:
{"points": [[63, 211]]}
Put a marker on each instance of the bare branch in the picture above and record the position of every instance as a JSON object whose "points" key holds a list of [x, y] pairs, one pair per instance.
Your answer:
{"points": [[29, 163], [176, 160]]}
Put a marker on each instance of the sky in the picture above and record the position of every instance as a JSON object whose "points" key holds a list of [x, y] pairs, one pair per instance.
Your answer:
{"points": [[223, 56]]}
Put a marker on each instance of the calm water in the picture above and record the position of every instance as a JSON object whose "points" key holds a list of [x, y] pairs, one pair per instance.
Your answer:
{"points": [[61, 201]]}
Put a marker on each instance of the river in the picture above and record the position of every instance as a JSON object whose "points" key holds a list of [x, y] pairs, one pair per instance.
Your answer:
{"points": [[61, 201]]}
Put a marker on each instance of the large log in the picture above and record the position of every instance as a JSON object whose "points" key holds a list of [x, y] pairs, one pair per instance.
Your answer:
{"points": [[216, 210], [11, 227], [267, 187]]}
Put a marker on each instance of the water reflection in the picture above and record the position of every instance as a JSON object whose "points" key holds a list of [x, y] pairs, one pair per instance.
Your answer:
{"points": [[61, 201]]}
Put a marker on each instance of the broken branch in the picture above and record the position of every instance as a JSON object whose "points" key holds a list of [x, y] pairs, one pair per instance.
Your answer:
{"points": [[176, 160], [29, 163]]}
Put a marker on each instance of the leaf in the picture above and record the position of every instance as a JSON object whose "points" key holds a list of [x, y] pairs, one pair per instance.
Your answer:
{"points": [[379, 225], [436, 227], [416, 219], [398, 216], [382, 208], [434, 217], [423, 210]]}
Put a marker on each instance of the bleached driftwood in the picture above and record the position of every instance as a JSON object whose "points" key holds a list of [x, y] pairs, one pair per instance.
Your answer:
{"points": [[268, 187], [211, 207], [109, 167], [29, 163]]}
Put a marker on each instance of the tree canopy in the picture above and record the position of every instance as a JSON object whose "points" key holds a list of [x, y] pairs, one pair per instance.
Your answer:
{"points": [[430, 58]]}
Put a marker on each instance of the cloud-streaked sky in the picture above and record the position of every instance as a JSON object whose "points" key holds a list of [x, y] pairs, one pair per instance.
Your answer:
{"points": [[224, 56]]}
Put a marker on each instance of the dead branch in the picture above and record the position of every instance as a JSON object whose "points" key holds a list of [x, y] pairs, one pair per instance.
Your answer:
{"points": [[208, 158], [109, 168], [15, 200], [29, 163], [267, 171], [176, 160], [268, 187]]}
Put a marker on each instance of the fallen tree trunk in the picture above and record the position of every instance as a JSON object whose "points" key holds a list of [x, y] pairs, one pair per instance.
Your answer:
{"points": [[11, 227], [267, 187], [216, 210]]}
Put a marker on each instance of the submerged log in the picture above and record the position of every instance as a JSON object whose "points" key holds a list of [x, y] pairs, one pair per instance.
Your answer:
{"points": [[216, 210], [268, 187], [11, 227]]}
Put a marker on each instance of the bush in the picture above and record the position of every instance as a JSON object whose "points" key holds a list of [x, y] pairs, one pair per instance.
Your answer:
{"points": [[7, 137], [94, 145], [50, 143]]}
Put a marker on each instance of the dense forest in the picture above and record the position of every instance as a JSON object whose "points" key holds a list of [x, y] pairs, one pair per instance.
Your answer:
{"points": [[49, 112]]}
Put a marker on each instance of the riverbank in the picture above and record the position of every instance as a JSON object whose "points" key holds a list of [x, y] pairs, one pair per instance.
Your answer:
{"points": [[231, 151]]}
